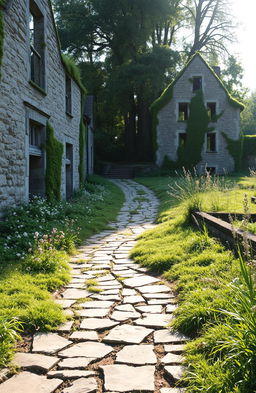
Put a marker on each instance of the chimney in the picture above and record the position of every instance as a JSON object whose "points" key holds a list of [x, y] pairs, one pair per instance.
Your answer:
{"points": [[217, 71]]}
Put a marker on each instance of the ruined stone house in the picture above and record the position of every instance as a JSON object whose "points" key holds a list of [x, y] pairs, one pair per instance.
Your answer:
{"points": [[172, 111], [36, 88]]}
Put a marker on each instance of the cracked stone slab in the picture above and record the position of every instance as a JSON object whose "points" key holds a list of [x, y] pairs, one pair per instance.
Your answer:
{"points": [[122, 378], [75, 294], [93, 312], [171, 307], [97, 323], [175, 372], [84, 335], [82, 385], [27, 382], [114, 298], [140, 281], [49, 343], [133, 299], [155, 289], [66, 327], [127, 334], [172, 390], [65, 303], [110, 292], [70, 374], [154, 309], [175, 348], [125, 307], [165, 336], [153, 320], [89, 349], [137, 355], [97, 304], [129, 292], [34, 361], [75, 363], [171, 358], [124, 315], [163, 302], [158, 295]]}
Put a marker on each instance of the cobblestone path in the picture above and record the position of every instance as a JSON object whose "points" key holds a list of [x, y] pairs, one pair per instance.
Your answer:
{"points": [[117, 341]]}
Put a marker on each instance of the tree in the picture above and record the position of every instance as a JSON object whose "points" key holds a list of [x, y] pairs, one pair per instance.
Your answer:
{"points": [[211, 23], [232, 77], [121, 30], [248, 116]]}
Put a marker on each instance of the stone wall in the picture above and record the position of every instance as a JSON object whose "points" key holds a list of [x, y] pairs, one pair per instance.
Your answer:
{"points": [[169, 126], [20, 101]]}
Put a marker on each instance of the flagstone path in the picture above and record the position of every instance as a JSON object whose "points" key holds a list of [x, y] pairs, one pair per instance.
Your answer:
{"points": [[118, 340]]}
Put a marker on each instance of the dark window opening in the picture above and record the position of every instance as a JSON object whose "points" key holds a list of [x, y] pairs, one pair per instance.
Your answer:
{"points": [[36, 176], [69, 170], [182, 139], [68, 95], [197, 83], [183, 111], [211, 109], [35, 134], [211, 142], [211, 170], [36, 36]]}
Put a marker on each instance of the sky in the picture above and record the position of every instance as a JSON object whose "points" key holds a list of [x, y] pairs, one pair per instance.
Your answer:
{"points": [[245, 14]]}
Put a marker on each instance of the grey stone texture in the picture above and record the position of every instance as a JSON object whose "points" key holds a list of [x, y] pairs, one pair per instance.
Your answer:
{"points": [[169, 127], [29, 383], [21, 102]]}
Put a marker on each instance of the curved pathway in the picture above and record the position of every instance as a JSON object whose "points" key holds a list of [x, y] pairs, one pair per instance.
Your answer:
{"points": [[117, 341]]}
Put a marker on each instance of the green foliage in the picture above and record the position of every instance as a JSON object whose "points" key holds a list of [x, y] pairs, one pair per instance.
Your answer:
{"points": [[73, 70], [235, 148], [197, 127], [54, 152], [248, 116], [9, 333], [208, 280], [232, 77], [44, 261]]}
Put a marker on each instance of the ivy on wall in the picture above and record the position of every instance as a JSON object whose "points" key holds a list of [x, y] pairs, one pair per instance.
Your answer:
{"points": [[189, 155], [235, 149], [54, 153]]}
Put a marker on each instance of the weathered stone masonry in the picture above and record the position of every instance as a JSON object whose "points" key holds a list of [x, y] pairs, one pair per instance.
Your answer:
{"points": [[22, 103], [169, 126]]}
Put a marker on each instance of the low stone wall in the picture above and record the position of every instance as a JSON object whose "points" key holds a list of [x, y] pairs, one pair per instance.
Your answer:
{"points": [[218, 227]]}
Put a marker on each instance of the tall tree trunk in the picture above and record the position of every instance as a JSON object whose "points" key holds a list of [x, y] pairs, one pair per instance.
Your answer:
{"points": [[130, 130], [144, 136]]}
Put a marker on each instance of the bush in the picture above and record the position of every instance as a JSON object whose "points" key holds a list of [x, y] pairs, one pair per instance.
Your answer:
{"points": [[45, 261]]}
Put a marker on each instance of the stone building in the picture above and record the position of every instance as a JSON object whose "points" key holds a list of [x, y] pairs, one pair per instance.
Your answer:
{"points": [[172, 112], [36, 89]]}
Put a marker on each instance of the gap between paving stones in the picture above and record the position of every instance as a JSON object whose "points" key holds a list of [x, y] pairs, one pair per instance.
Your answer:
{"points": [[118, 341]]}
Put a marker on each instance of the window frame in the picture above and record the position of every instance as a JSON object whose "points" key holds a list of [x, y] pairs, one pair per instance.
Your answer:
{"points": [[194, 77], [209, 134], [208, 107], [186, 112], [68, 94]]}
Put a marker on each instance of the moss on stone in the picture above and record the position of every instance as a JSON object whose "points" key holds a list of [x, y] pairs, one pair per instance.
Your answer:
{"points": [[54, 153], [235, 149], [73, 70]]}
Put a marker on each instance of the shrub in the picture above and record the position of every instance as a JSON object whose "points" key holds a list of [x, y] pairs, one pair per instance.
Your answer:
{"points": [[9, 333], [44, 261]]}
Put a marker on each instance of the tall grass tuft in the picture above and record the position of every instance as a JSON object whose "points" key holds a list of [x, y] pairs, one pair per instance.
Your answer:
{"points": [[9, 333]]}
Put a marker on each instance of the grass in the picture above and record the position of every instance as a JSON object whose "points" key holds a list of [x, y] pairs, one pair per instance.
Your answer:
{"points": [[203, 272], [35, 241]]}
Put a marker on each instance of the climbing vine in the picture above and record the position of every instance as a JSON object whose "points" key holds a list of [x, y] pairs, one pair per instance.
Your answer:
{"points": [[54, 153], [189, 154], [235, 149]]}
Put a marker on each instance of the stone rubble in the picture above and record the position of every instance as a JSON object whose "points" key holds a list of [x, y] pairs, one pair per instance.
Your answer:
{"points": [[118, 340]]}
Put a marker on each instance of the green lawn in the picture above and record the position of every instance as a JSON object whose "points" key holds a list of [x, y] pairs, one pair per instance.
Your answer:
{"points": [[203, 271], [35, 242]]}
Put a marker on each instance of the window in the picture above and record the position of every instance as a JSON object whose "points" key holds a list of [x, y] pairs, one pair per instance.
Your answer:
{"points": [[197, 83], [211, 170], [35, 132], [69, 170], [36, 36], [211, 109], [182, 139], [68, 95], [183, 111], [36, 159], [211, 142]]}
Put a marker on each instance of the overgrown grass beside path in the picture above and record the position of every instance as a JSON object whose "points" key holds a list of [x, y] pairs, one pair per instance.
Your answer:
{"points": [[35, 241], [221, 358]]}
